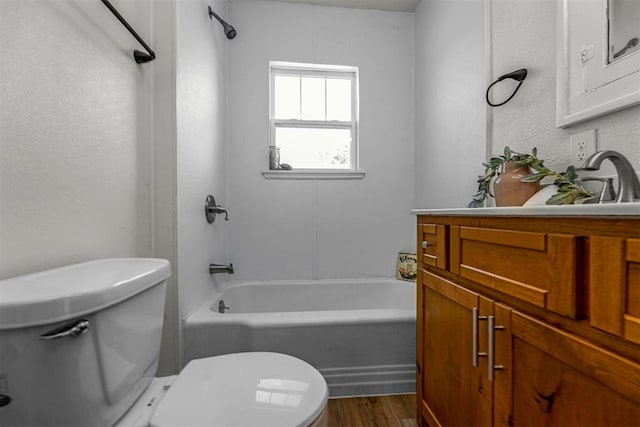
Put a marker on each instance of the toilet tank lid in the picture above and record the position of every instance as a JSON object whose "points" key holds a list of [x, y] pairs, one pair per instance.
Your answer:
{"points": [[76, 290]]}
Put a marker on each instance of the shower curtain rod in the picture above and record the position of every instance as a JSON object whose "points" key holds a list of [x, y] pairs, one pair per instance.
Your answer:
{"points": [[139, 56]]}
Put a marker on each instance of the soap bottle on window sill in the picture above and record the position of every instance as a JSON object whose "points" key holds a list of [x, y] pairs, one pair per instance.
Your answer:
{"points": [[274, 157]]}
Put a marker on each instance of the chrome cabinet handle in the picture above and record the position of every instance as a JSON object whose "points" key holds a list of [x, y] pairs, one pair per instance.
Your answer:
{"points": [[64, 331], [476, 318], [492, 343]]}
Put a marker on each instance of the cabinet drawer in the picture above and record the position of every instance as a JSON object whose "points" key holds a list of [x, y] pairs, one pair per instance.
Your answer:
{"points": [[539, 268], [432, 245], [614, 286]]}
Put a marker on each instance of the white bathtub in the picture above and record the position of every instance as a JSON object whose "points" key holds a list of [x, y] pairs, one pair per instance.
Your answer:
{"points": [[360, 334]]}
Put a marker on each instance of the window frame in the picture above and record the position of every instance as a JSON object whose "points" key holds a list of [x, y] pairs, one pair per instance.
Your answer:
{"points": [[279, 68]]}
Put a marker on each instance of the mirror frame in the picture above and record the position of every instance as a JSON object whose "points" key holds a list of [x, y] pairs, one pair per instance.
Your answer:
{"points": [[587, 86]]}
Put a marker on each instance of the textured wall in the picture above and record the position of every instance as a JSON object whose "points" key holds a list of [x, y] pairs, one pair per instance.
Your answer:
{"points": [[283, 229], [449, 101], [201, 147], [74, 135], [523, 34], [87, 139]]}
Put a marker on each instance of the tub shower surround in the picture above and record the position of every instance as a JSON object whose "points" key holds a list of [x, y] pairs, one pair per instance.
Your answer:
{"points": [[360, 334]]}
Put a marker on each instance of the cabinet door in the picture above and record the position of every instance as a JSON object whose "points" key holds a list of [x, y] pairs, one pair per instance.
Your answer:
{"points": [[559, 379], [453, 392], [614, 286]]}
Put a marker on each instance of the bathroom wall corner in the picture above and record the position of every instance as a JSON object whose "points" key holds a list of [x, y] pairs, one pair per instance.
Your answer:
{"points": [[164, 174]]}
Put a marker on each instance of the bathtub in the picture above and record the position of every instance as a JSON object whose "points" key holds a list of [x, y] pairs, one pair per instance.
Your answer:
{"points": [[360, 334]]}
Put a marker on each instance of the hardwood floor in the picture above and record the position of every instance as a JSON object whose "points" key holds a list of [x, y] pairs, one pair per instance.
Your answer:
{"points": [[373, 411]]}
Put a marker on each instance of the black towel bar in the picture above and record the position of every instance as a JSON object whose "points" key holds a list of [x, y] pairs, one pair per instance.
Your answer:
{"points": [[139, 56]]}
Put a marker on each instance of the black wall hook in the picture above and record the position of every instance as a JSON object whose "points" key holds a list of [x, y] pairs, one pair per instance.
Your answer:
{"points": [[518, 75], [139, 56]]}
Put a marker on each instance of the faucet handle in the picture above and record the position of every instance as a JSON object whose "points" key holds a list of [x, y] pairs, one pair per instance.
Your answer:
{"points": [[221, 209], [607, 193], [211, 208]]}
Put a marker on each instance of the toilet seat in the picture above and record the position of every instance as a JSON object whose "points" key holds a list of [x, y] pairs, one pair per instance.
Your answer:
{"points": [[243, 389]]}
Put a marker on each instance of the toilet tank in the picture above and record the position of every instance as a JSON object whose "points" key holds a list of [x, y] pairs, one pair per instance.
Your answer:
{"points": [[79, 344]]}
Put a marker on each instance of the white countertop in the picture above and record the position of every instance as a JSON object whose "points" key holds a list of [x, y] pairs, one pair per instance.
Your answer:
{"points": [[605, 209]]}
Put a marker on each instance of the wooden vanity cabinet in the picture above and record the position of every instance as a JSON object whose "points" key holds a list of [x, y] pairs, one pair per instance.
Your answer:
{"points": [[614, 269], [553, 363]]}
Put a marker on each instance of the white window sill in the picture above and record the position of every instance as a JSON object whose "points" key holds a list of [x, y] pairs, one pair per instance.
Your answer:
{"points": [[312, 174]]}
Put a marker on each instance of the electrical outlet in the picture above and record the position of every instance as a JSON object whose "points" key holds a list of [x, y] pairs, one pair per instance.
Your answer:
{"points": [[582, 145]]}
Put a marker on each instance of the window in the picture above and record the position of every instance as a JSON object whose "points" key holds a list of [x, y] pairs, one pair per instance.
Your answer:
{"points": [[313, 116]]}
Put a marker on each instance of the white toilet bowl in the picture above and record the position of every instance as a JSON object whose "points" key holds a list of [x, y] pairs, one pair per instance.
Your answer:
{"points": [[242, 389], [79, 346]]}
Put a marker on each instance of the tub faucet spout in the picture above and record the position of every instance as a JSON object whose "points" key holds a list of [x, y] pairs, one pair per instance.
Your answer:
{"points": [[220, 268], [628, 183]]}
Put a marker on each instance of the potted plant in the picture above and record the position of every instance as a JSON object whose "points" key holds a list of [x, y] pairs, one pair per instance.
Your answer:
{"points": [[568, 190]]}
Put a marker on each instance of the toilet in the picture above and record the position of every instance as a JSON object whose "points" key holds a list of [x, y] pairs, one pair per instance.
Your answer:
{"points": [[79, 346]]}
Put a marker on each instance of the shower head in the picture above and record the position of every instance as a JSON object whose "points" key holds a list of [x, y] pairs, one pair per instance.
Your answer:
{"points": [[229, 31]]}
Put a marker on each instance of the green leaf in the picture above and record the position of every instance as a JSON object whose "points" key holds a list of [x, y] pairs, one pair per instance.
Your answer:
{"points": [[537, 166], [495, 161], [534, 177], [522, 162], [534, 152], [475, 203], [565, 189], [558, 199]]}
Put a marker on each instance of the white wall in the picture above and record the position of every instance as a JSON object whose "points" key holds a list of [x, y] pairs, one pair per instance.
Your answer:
{"points": [[201, 147], [449, 101], [87, 138], [523, 35], [74, 135], [450, 88], [164, 185], [284, 229]]}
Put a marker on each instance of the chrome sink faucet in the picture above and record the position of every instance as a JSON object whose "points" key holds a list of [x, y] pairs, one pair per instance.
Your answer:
{"points": [[628, 183]]}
